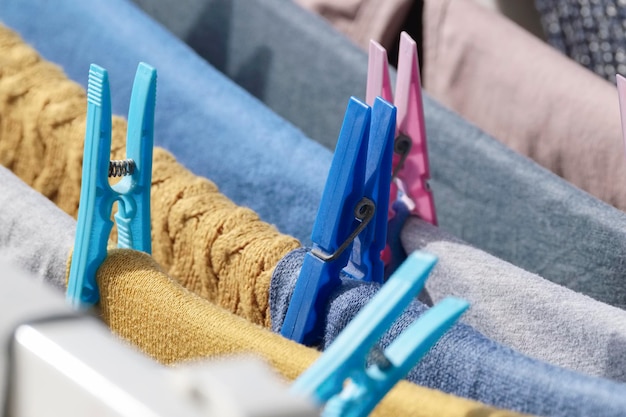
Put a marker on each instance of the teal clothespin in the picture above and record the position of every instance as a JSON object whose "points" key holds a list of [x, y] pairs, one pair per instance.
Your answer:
{"points": [[132, 192], [345, 359]]}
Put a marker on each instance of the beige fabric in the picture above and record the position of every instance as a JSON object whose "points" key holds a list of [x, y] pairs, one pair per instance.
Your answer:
{"points": [[525, 94], [362, 20]]}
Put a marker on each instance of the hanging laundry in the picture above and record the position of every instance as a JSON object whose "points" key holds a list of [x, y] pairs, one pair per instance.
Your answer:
{"points": [[487, 195], [202, 249]]}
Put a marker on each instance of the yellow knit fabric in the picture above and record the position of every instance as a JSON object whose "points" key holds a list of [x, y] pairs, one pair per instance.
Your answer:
{"points": [[144, 306], [216, 249]]}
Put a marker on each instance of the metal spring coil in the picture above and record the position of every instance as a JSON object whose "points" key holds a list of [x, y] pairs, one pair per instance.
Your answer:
{"points": [[121, 168]]}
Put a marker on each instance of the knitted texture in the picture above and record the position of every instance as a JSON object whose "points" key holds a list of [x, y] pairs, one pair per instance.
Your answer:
{"points": [[198, 235], [151, 311]]}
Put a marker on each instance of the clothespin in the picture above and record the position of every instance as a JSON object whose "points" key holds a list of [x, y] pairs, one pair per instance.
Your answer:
{"points": [[621, 94], [132, 192], [410, 160], [346, 358], [351, 224]]}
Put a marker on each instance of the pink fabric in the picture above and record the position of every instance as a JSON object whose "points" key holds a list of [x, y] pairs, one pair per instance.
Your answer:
{"points": [[525, 94], [362, 20]]}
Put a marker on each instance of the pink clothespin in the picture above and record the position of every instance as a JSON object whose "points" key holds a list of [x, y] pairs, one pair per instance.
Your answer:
{"points": [[621, 94], [411, 170]]}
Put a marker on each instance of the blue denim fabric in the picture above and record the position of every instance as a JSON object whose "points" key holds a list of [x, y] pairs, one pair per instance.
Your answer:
{"points": [[487, 195], [212, 126], [464, 362]]}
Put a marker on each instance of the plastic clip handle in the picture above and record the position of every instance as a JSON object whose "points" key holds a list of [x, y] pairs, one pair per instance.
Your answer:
{"points": [[334, 224], [367, 390], [378, 81], [415, 171], [365, 263], [345, 359], [133, 216], [621, 94], [347, 354], [88, 251]]}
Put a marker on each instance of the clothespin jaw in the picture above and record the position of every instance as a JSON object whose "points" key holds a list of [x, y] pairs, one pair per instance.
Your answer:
{"points": [[133, 216], [414, 171], [365, 262], [348, 233], [410, 161], [342, 212], [378, 81], [345, 359], [621, 94], [97, 197]]}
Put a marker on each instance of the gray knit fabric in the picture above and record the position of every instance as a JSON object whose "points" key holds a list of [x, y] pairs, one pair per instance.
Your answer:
{"points": [[522, 310], [34, 233], [591, 32]]}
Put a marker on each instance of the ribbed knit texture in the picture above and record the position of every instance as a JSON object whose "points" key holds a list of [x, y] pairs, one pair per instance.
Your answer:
{"points": [[199, 236], [150, 310]]}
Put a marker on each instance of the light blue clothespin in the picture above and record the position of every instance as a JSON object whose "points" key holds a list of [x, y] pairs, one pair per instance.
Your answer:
{"points": [[351, 225], [132, 192], [345, 359]]}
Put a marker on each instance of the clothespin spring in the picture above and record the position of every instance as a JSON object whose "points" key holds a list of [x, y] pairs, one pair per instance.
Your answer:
{"points": [[364, 212], [121, 168], [402, 147]]}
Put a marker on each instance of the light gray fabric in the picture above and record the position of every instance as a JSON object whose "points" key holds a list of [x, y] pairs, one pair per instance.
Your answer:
{"points": [[34, 233], [521, 310]]}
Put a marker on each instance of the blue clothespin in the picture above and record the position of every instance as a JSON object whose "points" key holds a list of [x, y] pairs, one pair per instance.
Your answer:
{"points": [[346, 357], [132, 192], [365, 262], [352, 215]]}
